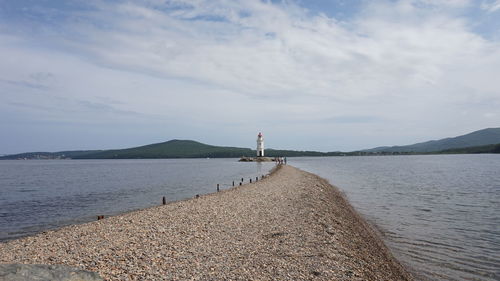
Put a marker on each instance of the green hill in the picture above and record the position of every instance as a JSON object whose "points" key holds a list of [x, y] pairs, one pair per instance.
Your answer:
{"points": [[49, 155], [171, 149], [491, 148], [299, 153], [483, 141], [190, 149], [477, 138]]}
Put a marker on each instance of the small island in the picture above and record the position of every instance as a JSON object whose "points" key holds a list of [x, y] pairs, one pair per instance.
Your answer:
{"points": [[260, 152], [256, 159]]}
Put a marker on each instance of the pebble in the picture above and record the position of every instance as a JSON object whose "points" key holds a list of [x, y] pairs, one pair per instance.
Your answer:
{"points": [[291, 225]]}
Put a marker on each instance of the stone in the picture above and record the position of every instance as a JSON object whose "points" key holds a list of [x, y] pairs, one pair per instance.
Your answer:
{"points": [[255, 159], [45, 272]]}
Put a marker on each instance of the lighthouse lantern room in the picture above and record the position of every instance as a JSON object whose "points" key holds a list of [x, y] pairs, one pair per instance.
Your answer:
{"points": [[260, 145]]}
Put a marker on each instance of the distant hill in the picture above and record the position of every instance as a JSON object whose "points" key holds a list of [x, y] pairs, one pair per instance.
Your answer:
{"points": [[483, 141], [189, 149], [293, 153], [49, 155], [478, 138], [490, 148], [171, 149]]}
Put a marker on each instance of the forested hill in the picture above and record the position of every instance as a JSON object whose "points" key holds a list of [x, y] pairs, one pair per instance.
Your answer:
{"points": [[478, 138], [483, 141], [171, 149]]}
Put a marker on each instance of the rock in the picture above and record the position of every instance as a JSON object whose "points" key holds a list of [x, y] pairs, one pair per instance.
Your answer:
{"points": [[45, 272], [255, 159]]}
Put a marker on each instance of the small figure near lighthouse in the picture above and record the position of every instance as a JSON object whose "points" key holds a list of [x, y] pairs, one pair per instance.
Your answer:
{"points": [[260, 145]]}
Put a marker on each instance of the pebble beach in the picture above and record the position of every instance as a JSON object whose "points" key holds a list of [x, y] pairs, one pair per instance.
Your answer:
{"points": [[291, 225]]}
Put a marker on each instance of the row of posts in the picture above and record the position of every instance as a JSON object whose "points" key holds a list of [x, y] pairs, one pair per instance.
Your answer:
{"points": [[164, 199], [241, 182], [278, 160]]}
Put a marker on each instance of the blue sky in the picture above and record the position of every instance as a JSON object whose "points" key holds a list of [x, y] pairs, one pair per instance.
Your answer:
{"points": [[318, 75]]}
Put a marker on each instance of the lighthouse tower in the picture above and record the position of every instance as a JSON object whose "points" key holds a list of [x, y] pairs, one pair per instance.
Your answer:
{"points": [[260, 145]]}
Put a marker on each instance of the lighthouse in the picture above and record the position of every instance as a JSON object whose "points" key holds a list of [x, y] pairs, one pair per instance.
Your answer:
{"points": [[260, 145]]}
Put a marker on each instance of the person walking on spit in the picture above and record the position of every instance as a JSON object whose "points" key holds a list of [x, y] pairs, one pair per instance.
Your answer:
{"points": [[285, 160]]}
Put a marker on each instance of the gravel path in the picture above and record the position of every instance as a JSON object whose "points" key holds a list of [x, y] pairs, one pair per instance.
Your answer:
{"points": [[291, 225]]}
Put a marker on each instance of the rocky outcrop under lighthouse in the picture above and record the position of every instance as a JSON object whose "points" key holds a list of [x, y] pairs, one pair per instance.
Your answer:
{"points": [[256, 159]]}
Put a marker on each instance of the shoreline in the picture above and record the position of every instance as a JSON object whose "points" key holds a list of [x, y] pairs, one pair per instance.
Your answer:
{"points": [[290, 225], [34, 229]]}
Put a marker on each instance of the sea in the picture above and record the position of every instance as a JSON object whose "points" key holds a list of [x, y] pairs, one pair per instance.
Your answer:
{"points": [[438, 214], [36, 195]]}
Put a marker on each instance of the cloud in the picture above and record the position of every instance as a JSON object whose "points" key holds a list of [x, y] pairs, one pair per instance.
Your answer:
{"points": [[491, 6], [347, 119], [24, 84], [313, 56], [238, 66], [445, 3]]}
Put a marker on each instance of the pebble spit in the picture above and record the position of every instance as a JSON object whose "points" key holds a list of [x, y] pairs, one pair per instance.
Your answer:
{"points": [[292, 225]]}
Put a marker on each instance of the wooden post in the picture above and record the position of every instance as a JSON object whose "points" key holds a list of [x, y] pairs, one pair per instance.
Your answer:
{"points": [[233, 183], [241, 179], [164, 200], [100, 217], [240, 182], [256, 178], [250, 180], [217, 187]]}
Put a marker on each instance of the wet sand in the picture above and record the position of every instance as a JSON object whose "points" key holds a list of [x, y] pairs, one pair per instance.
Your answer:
{"points": [[292, 225]]}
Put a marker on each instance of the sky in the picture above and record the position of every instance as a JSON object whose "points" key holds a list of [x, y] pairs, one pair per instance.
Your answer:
{"points": [[309, 74]]}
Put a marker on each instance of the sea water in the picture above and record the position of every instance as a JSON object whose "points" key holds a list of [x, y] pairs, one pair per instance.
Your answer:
{"points": [[36, 195], [439, 214]]}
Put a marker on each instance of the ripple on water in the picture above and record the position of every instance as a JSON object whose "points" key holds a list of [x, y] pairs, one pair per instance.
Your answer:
{"points": [[38, 195], [440, 213]]}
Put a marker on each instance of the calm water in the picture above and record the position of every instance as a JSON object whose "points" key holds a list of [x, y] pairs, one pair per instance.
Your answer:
{"points": [[440, 214], [37, 195]]}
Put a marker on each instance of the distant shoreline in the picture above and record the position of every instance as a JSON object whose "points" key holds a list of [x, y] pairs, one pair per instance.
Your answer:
{"points": [[493, 149], [483, 141], [291, 224]]}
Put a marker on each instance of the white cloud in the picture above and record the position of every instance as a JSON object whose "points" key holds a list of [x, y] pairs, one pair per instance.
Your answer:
{"points": [[250, 64], [446, 3], [491, 6], [314, 56]]}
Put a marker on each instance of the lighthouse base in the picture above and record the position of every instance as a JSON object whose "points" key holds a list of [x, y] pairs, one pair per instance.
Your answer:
{"points": [[256, 159]]}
